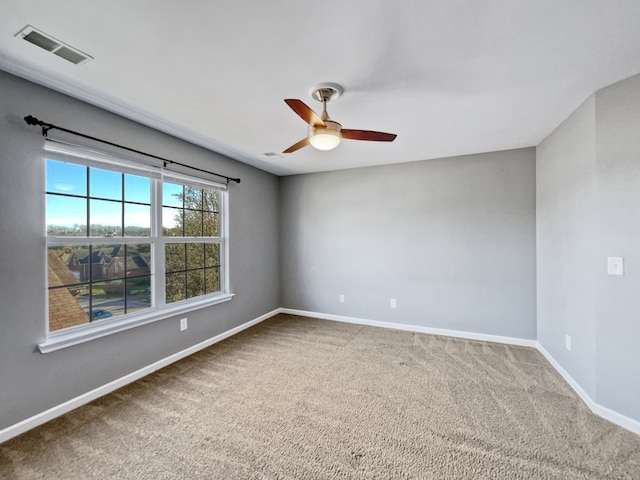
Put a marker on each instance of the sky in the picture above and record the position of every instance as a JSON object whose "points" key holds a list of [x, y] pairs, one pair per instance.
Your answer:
{"points": [[71, 179]]}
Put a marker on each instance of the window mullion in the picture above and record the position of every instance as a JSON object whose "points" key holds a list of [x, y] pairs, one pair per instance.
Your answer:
{"points": [[122, 233], [158, 245], [223, 225], [88, 202]]}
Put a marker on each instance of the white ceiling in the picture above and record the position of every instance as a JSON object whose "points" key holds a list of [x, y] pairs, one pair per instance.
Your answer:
{"points": [[449, 77]]}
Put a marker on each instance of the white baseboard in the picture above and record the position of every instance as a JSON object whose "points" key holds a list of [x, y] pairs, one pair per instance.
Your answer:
{"points": [[50, 414], [604, 412], [523, 342]]}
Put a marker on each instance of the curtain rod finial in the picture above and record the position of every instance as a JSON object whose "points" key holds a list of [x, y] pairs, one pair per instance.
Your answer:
{"points": [[31, 120]]}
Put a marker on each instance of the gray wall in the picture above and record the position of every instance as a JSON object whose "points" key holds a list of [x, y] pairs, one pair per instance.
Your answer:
{"points": [[588, 191], [567, 225], [618, 307], [32, 382], [453, 240]]}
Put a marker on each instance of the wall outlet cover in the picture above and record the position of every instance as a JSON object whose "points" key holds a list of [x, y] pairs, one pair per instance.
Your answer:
{"points": [[615, 266]]}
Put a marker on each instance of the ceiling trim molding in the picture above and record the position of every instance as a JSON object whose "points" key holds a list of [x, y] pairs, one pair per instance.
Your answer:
{"points": [[131, 113]]}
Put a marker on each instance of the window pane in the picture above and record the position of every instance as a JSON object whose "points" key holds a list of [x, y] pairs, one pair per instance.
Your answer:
{"points": [[195, 255], [62, 267], [67, 308], [138, 294], [137, 220], [175, 287], [210, 200], [118, 261], [192, 198], [106, 262], [192, 223], [212, 254], [105, 218], [105, 184], [66, 266], [174, 255], [107, 300], [138, 260], [195, 283], [137, 189], [66, 178], [212, 280], [171, 195], [172, 222], [210, 224], [66, 216]]}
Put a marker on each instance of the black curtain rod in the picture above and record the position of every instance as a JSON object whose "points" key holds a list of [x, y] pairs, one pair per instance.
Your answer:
{"points": [[48, 126]]}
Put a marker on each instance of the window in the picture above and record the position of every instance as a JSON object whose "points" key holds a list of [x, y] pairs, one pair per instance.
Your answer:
{"points": [[191, 228], [128, 244]]}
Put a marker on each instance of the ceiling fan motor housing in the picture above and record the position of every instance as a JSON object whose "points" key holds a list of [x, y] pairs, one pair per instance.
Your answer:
{"points": [[326, 91]]}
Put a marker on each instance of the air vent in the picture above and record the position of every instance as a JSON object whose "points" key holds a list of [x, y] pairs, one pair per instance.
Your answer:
{"points": [[50, 44], [40, 40], [71, 55]]}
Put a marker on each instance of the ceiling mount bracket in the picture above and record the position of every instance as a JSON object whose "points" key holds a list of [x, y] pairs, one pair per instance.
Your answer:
{"points": [[323, 92]]}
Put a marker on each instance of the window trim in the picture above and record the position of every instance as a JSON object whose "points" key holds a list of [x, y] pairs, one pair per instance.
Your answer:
{"points": [[67, 337], [83, 333]]}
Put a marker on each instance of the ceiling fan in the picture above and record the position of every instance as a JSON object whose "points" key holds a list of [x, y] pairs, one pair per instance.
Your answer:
{"points": [[324, 133]]}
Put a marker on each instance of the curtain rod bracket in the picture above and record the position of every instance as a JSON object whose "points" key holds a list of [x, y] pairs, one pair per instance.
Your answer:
{"points": [[31, 120]]}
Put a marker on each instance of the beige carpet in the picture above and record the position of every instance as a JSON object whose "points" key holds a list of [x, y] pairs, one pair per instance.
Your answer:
{"points": [[298, 398]]}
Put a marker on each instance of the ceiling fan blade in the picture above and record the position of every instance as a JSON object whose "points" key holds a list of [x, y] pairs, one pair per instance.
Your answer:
{"points": [[368, 135], [304, 112], [302, 143]]}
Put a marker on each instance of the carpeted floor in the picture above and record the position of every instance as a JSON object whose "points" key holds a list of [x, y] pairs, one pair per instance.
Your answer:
{"points": [[299, 398]]}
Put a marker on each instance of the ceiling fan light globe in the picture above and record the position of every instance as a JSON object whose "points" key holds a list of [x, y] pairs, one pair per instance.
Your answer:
{"points": [[327, 137], [325, 140]]}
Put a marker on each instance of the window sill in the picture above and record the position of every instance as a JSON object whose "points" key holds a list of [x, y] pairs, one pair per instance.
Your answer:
{"points": [[86, 333]]}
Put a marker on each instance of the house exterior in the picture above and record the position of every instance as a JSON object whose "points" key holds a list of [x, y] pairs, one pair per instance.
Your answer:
{"points": [[106, 264], [135, 265]]}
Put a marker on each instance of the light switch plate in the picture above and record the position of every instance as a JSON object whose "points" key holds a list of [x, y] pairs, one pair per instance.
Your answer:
{"points": [[615, 266]]}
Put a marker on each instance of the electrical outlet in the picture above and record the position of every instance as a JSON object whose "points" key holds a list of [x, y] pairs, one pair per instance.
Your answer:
{"points": [[392, 303], [615, 266], [341, 298], [567, 342], [183, 324]]}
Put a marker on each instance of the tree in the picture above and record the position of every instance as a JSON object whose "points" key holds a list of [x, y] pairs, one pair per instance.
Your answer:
{"points": [[192, 265]]}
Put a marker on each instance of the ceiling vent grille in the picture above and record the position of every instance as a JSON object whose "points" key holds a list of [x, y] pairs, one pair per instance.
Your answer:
{"points": [[40, 40], [50, 44]]}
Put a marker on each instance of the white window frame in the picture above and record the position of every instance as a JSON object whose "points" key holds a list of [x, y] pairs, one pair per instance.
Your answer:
{"points": [[158, 310]]}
